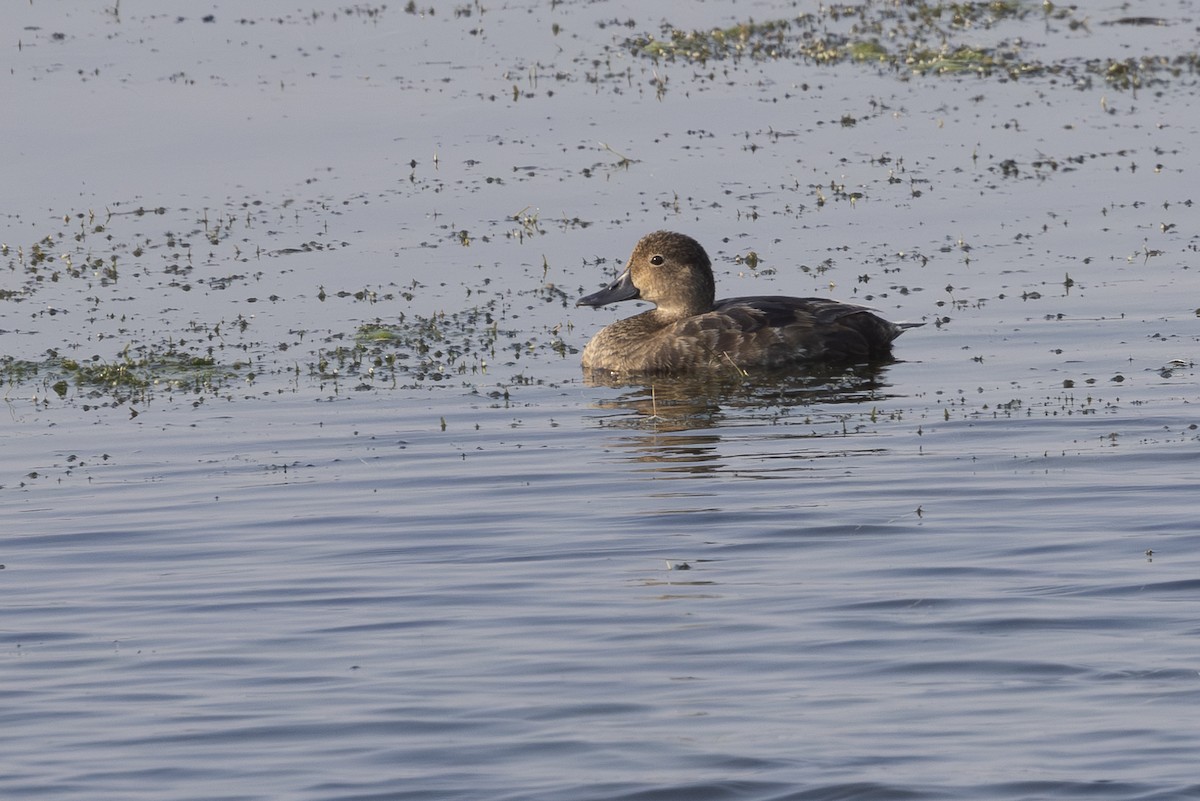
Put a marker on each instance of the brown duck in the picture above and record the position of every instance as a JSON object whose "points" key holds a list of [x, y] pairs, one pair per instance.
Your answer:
{"points": [[689, 331]]}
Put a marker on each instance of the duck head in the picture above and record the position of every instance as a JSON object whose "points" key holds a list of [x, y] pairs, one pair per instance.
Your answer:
{"points": [[670, 270]]}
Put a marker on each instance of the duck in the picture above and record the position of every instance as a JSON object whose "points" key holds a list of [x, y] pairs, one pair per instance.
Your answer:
{"points": [[689, 331]]}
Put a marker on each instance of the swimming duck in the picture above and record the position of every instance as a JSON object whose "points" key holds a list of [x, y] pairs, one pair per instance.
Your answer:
{"points": [[689, 331]]}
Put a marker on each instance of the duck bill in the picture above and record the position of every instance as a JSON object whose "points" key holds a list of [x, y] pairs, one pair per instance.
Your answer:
{"points": [[621, 289]]}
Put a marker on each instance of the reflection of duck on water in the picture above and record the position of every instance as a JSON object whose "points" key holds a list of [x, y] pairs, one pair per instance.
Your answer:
{"points": [[690, 332], [693, 426], [691, 402]]}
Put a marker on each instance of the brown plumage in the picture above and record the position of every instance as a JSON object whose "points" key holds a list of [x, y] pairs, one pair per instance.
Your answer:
{"points": [[689, 331]]}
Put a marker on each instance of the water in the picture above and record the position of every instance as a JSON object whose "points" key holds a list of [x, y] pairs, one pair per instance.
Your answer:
{"points": [[306, 571]]}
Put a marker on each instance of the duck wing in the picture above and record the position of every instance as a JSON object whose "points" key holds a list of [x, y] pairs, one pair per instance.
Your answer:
{"points": [[774, 331]]}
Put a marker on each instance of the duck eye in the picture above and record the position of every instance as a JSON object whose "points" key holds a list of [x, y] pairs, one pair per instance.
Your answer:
{"points": [[657, 260]]}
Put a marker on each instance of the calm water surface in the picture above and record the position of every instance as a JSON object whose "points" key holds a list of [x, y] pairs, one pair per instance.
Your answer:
{"points": [[385, 542]]}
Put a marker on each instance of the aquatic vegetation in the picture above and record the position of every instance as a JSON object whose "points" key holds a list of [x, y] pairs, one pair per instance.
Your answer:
{"points": [[435, 348], [117, 303], [130, 378], [914, 39]]}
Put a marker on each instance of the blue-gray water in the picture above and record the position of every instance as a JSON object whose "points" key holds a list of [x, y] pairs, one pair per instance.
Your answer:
{"points": [[319, 575]]}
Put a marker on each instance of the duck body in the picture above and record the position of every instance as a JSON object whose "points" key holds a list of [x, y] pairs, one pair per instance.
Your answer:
{"points": [[689, 331]]}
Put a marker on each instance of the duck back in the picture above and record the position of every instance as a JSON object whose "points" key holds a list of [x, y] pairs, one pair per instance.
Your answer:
{"points": [[778, 331]]}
